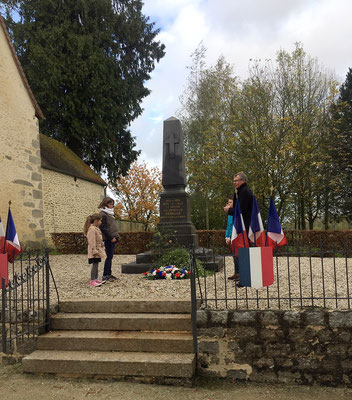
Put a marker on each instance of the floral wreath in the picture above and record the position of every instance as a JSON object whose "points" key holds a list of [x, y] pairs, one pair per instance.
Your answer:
{"points": [[168, 272]]}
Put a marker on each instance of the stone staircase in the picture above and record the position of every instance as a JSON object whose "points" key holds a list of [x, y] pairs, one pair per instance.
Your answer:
{"points": [[142, 340]]}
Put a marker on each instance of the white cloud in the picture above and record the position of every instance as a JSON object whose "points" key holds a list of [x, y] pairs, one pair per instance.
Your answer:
{"points": [[239, 30]]}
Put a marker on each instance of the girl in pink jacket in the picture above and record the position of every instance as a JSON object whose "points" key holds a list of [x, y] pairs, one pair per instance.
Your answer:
{"points": [[96, 249]]}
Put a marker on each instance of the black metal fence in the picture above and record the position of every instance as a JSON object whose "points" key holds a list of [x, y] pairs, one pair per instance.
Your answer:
{"points": [[303, 277], [25, 301]]}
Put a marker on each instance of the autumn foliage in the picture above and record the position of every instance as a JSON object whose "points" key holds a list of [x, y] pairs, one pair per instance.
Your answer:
{"points": [[138, 195]]}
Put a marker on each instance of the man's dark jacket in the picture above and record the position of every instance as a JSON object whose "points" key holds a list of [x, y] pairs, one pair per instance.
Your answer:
{"points": [[245, 198]]}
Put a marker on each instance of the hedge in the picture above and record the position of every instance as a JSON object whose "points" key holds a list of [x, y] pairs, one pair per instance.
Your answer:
{"points": [[331, 240], [137, 242], [76, 242]]}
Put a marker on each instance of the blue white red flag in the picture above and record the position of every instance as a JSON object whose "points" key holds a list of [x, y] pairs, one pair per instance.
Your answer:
{"points": [[239, 236], [12, 247], [256, 232], [274, 233], [2, 238], [256, 267]]}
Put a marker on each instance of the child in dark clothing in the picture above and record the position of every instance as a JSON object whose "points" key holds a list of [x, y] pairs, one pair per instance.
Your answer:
{"points": [[110, 235]]}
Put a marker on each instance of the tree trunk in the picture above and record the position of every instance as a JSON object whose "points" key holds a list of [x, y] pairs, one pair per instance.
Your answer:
{"points": [[302, 216], [326, 209], [206, 214]]}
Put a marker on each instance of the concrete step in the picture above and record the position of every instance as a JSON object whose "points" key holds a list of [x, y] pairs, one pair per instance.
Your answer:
{"points": [[126, 306], [110, 364], [161, 342], [122, 322]]}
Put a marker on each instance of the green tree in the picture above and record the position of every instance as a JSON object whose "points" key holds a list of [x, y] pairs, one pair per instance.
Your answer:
{"points": [[308, 91], [281, 119], [341, 149], [87, 62], [205, 111], [273, 125]]}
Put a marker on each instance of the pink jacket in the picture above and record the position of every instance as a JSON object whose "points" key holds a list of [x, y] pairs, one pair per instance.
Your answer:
{"points": [[96, 247]]}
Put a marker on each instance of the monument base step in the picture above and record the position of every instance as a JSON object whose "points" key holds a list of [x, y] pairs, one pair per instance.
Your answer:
{"points": [[135, 268], [144, 262], [216, 264], [144, 258]]}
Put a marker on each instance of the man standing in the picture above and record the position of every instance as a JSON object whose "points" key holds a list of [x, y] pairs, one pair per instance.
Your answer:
{"points": [[245, 199]]}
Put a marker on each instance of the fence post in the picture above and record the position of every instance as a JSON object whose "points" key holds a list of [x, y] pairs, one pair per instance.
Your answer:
{"points": [[194, 301], [3, 315], [47, 289]]}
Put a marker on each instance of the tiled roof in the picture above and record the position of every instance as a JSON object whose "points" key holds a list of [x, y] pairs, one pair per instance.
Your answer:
{"points": [[57, 157]]}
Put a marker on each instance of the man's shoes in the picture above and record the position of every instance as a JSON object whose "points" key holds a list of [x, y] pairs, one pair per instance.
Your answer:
{"points": [[101, 282], [239, 285], [109, 278]]}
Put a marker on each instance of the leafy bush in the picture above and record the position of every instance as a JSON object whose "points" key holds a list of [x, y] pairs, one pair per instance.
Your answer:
{"points": [[177, 256]]}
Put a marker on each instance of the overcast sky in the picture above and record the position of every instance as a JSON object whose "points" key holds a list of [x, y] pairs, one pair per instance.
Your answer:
{"points": [[238, 30]]}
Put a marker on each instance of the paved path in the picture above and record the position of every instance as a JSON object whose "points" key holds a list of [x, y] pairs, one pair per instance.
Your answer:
{"points": [[14, 385]]}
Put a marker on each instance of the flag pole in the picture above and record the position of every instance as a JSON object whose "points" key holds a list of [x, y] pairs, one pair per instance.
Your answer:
{"points": [[254, 233], [266, 233], [237, 201], [7, 224]]}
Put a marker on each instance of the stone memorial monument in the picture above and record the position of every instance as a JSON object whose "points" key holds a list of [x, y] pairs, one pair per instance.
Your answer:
{"points": [[175, 213]]}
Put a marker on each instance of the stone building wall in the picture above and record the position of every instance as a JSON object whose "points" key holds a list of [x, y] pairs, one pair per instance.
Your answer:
{"points": [[20, 162], [68, 201], [310, 346]]}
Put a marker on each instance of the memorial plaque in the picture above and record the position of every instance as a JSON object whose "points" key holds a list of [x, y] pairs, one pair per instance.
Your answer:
{"points": [[173, 209]]}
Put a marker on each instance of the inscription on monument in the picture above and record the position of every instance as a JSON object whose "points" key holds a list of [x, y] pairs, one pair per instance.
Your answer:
{"points": [[173, 209]]}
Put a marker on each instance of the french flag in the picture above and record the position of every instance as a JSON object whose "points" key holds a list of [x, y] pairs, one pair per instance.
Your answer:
{"points": [[256, 267], [4, 268], [239, 236], [256, 229], [274, 233], [12, 246], [2, 238]]}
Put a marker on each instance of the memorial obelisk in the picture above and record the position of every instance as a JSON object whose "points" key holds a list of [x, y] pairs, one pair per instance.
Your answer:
{"points": [[175, 212]]}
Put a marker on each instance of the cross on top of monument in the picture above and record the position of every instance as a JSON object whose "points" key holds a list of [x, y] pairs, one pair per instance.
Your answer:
{"points": [[172, 139]]}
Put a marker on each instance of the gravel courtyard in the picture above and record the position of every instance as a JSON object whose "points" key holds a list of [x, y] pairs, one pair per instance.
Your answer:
{"points": [[71, 274]]}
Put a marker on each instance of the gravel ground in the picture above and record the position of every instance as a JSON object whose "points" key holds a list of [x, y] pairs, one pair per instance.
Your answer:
{"points": [[72, 273]]}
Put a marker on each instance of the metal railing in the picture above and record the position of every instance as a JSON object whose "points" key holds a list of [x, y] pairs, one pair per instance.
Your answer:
{"points": [[25, 301], [303, 277]]}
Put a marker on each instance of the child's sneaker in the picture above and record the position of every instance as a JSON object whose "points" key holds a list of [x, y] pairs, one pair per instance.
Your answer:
{"points": [[94, 283], [101, 282]]}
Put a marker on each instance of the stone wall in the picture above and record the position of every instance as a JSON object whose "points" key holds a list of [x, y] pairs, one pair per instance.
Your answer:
{"points": [[129, 226], [68, 201], [20, 175], [310, 346]]}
